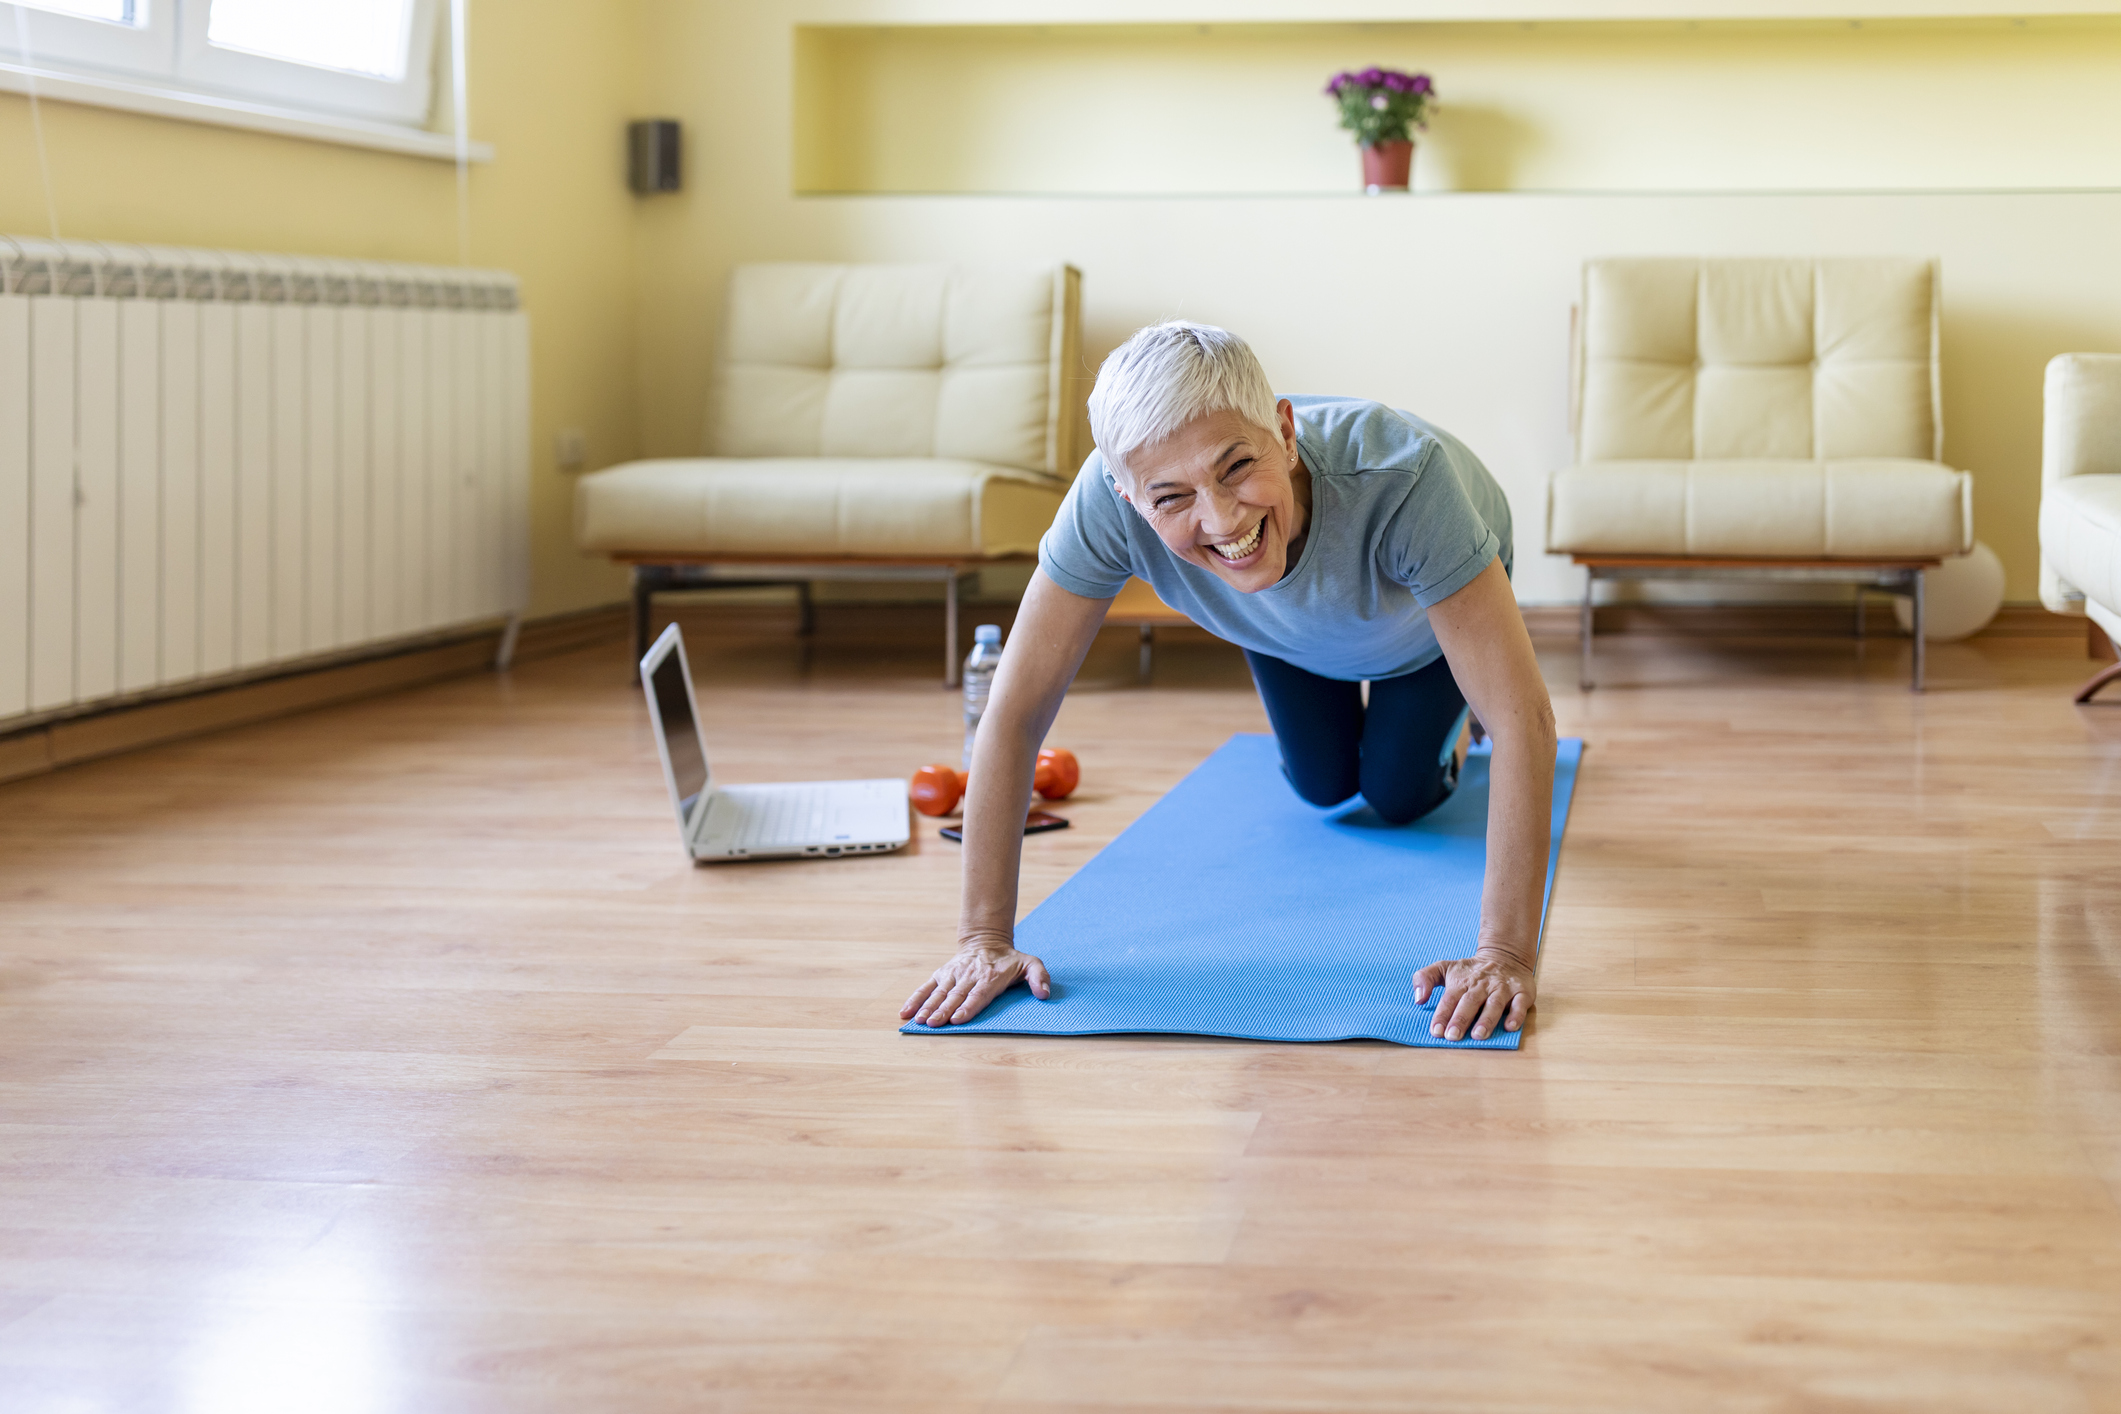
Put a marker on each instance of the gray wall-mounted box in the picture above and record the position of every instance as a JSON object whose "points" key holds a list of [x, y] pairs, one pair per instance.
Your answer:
{"points": [[652, 155]]}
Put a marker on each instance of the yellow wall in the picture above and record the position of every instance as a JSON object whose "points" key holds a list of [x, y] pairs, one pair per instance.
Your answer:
{"points": [[1454, 305], [550, 86], [1818, 104]]}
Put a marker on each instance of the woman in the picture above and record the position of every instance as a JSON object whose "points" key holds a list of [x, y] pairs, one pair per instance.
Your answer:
{"points": [[1337, 542]]}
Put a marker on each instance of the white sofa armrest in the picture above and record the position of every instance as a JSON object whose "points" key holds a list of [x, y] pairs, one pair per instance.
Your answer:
{"points": [[2081, 434]]}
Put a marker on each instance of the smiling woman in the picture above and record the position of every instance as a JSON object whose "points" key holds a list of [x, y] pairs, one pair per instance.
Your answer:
{"points": [[1338, 542]]}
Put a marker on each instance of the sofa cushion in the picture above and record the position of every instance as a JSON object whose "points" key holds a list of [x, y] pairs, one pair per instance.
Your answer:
{"points": [[2080, 534], [825, 508], [927, 361], [1686, 359], [1869, 508]]}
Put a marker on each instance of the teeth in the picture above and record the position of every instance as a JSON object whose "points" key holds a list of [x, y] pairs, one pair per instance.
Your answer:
{"points": [[1238, 549]]}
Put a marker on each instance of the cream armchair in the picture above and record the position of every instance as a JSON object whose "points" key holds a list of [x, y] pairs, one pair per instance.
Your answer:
{"points": [[2080, 501], [1759, 418], [890, 422]]}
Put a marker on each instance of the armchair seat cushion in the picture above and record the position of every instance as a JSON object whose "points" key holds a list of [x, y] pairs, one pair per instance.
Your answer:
{"points": [[2080, 534], [816, 507], [1854, 509]]}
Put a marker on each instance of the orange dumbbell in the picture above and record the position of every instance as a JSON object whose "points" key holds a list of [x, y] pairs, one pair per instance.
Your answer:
{"points": [[1057, 774], [937, 790]]}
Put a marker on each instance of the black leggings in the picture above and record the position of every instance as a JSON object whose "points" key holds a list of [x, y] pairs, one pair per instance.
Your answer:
{"points": [[1393, 751]]}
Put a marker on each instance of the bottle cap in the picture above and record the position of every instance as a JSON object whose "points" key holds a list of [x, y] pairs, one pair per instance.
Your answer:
{"points": [[987, 633]]}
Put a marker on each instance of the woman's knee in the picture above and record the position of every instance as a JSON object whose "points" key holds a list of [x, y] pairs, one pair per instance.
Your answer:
{"points": [[1318, 725], [1320, 782], [1405, 796]]}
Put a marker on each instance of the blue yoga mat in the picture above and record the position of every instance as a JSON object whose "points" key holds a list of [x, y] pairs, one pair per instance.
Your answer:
{"points": [[1234, 909]]}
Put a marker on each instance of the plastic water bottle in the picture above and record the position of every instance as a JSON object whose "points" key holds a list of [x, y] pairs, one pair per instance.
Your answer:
{"points": [[979, 679]]}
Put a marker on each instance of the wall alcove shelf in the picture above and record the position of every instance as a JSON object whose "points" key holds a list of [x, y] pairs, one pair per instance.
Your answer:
{"points": [[1434, 195], [1953, 103]]}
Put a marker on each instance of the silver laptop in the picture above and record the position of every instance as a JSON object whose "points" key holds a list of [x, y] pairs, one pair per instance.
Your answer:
{"points": [[823, 818]]}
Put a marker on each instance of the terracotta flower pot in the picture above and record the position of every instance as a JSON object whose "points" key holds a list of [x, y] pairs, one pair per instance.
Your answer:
{"points": [[1386, 166]]}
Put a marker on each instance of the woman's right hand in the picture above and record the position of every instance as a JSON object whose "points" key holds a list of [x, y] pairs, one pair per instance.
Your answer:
{"points": [[1053, 630], [982, 970]]}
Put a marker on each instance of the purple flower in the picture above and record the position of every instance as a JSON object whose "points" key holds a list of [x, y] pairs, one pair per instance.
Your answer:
{"points": [[1372, 79]]}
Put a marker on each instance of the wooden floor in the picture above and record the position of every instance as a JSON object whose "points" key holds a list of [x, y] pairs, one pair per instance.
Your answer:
{"points": [[392, 1058]]}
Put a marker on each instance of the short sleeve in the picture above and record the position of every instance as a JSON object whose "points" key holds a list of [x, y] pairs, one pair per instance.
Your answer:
{"points": [[1438, 541], [1085, 550]]}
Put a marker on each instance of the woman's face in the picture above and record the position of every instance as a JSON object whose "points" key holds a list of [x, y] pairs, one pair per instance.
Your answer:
{"points": [[1224, 495]]}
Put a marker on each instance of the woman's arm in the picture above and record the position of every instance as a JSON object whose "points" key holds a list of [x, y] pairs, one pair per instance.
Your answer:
{"points": [[1053, 631], [1484, 640]]}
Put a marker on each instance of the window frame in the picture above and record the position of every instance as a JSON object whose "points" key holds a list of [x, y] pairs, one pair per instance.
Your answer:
{"points": [[282, 81], [70, 40], [168, 46]]}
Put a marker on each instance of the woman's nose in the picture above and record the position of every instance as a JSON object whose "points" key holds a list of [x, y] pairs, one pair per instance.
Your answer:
{"points": [[1221, 511]]}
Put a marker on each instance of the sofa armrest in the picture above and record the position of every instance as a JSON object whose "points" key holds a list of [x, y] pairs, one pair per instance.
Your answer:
{"points": [[2081, 432]]}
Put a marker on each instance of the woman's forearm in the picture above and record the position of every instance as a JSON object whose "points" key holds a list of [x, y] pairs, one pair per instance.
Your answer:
{"points": [[1053, 631], [1003, 759], [1482, 634], [1520, 815]]}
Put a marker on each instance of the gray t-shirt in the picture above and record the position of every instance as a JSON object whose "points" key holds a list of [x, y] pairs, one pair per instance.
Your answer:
{"points": [[1402, 516]]}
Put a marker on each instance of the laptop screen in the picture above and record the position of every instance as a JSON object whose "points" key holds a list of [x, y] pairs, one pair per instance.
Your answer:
{"points": [[681, 735]]}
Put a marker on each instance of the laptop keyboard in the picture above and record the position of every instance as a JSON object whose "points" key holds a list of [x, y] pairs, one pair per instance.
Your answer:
{"points": [[791, 815]]}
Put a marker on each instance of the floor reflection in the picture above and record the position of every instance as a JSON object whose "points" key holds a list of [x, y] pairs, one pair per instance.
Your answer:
{"points": [[311, 1334], [2080, 1000]]}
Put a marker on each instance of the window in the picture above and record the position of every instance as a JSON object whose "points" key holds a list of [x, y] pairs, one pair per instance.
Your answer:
{"points": [[356, 39], [355, 58], [117, 12]]}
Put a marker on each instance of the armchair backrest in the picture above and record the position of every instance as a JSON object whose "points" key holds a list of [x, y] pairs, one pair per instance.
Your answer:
{"points": [[2081, 432], [1682, 359], [970, 362]]}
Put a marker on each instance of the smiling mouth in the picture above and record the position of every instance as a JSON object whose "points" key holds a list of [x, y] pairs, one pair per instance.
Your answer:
{"points": [[1239, 549]]}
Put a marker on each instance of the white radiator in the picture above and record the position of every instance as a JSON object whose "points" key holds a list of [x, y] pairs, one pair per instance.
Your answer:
{"points": [[216, 463]]}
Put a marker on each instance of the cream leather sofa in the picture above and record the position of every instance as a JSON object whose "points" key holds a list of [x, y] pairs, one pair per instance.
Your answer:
{"points": [[868, 422], [2080, 499], [1759, 418]]}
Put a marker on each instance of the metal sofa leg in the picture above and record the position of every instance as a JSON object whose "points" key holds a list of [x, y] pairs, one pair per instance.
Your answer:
{"points": [[1148, 646], [504, 654], [950, 582], [2098, 645], [2111, 673], [1583, 673], [644, 586], [1922, 638], [806, 609]]}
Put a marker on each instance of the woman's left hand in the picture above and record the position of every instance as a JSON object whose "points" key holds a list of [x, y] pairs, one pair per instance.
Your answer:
{"points": [[1479, 991]]}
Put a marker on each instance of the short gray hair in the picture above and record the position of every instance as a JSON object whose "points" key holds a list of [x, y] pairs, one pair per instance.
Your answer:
{"points": [[1168, 374]]}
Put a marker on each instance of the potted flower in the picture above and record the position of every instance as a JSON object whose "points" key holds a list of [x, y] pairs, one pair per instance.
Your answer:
{"points": [[1382, 107]]}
